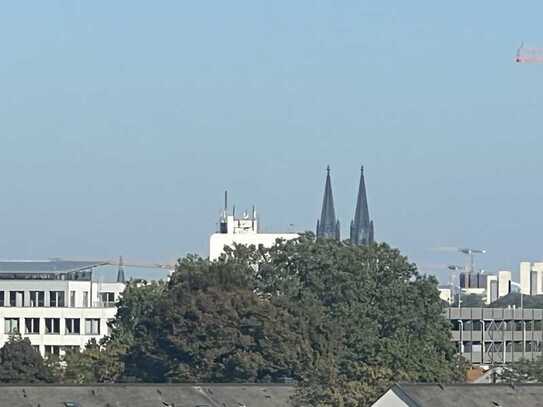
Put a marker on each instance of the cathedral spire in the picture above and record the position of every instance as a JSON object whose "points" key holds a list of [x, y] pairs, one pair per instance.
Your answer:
{"points": [[120, 272], [361, 226], [328, 226]]}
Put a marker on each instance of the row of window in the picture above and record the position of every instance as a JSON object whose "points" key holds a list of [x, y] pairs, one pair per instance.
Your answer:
{"points": [[56, 298], [72, 326], [57, 349], [475, 325]]}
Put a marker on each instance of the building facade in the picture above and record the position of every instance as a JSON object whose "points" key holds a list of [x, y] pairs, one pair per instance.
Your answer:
{"points": [[243, 230], [531, 278], [55, 304], [496, 336]]}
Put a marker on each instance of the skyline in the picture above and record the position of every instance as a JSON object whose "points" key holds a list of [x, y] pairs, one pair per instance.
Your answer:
{"points": [[120, 130]]}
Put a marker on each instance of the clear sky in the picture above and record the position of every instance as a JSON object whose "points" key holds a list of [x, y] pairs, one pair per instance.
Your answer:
{"points": [[122, 122]]}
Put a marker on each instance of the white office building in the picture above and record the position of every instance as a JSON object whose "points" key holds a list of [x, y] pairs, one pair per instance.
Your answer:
{"points": [[243, 230], [531, 278], [57, 304]]}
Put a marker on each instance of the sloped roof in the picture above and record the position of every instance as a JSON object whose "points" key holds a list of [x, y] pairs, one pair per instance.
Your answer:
{"points": [[145, 395], [470, 395]]}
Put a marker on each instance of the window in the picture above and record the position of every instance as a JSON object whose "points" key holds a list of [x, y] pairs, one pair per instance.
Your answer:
{"points": [[85, 298], [37, 298], [92, 326], [72, 298], [52, 350], [56, 299], [32, 325], [11, 325], [52, 325], [73, 326], [16, 298], [1, 298], [107, 298], [36, 348]]}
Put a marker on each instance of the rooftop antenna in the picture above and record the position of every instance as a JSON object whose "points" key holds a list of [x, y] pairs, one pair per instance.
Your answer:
{"points": [[225, 201]]}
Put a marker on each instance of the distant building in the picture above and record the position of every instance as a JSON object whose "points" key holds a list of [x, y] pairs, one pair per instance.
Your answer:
{"points": [[496, 336], [242, 230], [498, 286], [57, 304], [531, 278], [446, 294]]}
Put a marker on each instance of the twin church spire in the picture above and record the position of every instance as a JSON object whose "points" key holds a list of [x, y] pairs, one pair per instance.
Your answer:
{"points": [[361, 226]]}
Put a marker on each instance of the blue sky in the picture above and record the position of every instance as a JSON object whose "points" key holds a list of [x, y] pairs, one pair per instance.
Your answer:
{"points": [[121, 124]]}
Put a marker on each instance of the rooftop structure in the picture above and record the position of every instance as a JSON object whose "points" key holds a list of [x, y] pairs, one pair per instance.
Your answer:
{"points": [[241, 230], [460, 395], [145, 395]]}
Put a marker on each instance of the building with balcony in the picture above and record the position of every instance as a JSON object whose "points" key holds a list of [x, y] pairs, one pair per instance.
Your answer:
{"points": [[57, 304], [496, 336]]}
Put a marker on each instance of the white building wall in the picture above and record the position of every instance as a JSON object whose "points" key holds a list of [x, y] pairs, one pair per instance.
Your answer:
{"points": [[217, 241], [390, 399], [74, 308], [504, 283], [526, 270]]}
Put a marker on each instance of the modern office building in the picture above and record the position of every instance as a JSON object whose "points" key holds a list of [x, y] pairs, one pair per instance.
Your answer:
{"points": [[496, 336], [243, 230], [57, 304], [531, 278]]}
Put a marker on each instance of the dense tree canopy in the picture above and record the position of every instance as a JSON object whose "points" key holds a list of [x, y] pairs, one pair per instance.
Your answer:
{"points": [[20, 363], [344, 321]]}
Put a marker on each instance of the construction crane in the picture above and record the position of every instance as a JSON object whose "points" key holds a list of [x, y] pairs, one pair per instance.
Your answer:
{"points": [[527, 55]]}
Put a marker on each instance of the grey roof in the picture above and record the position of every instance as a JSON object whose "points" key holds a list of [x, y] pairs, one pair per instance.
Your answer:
{"points": [[361, 226], [145, 395], [470, 395], [45, 266], [328, 226]]}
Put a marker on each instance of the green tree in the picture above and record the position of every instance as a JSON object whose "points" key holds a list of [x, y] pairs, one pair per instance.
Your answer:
{"points": [[104, 362], [20, 363], [381, 321], [211, 326]]}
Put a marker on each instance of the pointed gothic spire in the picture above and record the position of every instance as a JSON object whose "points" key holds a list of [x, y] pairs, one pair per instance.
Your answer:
{"points": [[120, 273], [361, 226], [328, 226]]}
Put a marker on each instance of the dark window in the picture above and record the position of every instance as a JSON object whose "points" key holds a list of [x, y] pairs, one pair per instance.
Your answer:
{"points": [[56, 299], [52, 350], [16, 298], [1, 298], [52, 325], [37, 298], [73, 326], [32, 325]]}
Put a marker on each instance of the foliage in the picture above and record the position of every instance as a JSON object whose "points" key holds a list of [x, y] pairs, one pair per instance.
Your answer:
{"points": [[20, 363], [470, 300], [211, 327], [528, 301], [104, 362], [344, 321], [522, 371]]}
